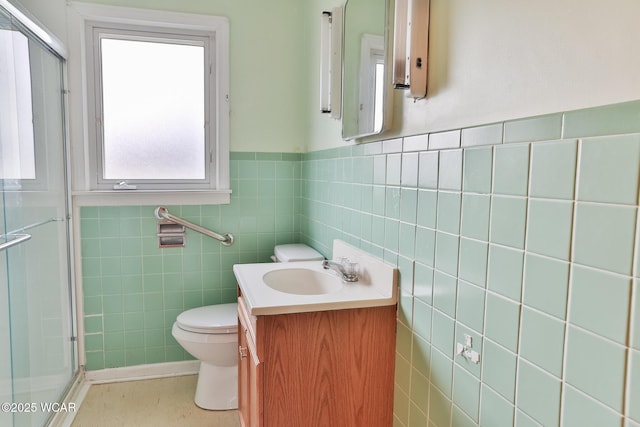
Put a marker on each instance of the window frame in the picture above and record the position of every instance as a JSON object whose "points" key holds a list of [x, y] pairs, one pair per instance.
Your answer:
{"points": [[88, 186], [95, 33]]}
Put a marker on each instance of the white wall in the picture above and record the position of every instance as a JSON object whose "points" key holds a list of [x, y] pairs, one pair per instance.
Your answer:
{"points": [[488, 61], [50, 13], [322, 129], [502, 59]]}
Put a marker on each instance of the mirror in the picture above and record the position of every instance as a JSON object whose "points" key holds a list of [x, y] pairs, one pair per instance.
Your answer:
{"points": [[364, 72]]}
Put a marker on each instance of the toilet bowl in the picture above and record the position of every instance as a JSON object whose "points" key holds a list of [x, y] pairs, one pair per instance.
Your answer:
{"points": [[210, 335]]}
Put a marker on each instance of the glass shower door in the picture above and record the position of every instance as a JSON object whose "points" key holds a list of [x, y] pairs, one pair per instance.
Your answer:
{"points": [[6, 386], [37, 338]]}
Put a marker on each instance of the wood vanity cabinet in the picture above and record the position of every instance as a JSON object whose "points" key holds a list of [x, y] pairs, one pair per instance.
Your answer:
{"points": [[324, 368]]}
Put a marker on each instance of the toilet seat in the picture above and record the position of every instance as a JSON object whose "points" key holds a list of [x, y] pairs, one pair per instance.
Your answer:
{"points": [[211, 319]]}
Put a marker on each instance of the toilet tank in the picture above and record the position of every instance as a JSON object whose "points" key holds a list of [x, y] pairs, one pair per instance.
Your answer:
{"points": [[295, 252]]}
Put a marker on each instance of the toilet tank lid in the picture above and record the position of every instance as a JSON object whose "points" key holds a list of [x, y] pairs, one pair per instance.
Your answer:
{"points": [[211, 319], [296, 252]]}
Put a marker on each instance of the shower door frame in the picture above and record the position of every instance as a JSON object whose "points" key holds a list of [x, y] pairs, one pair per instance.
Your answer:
{"points": [[34, 31]]}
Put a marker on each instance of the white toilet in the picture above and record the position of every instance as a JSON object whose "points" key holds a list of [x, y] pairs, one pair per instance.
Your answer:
{"points": [[210, 335], [295, 252]]}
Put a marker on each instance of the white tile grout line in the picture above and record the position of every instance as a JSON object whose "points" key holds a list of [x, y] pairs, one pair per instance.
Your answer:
{"points": [[565, 352], [571, 261], [634, 310]]}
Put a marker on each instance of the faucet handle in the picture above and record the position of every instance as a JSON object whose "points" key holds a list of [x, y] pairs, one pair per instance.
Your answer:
{"points": [[348, 270], [351, 270]]}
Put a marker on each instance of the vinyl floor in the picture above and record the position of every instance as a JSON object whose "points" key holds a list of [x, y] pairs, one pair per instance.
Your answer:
{"points": [[164, 402]]}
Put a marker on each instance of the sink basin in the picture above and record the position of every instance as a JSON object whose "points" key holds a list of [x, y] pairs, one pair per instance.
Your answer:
{"points": [[270, 288], [302, 281]]}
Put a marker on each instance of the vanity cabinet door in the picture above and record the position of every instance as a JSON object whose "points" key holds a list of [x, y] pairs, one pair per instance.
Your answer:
{"points": [[315, 369], [249, 377], [255, 390], [244, 380]]}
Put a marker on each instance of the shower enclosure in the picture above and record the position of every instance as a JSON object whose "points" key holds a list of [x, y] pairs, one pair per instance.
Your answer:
{"points": [[38, 355]]}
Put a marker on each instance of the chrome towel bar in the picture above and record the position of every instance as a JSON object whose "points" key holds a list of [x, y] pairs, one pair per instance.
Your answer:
{"points": [[15, 239], [18, 236], [162, 213]]}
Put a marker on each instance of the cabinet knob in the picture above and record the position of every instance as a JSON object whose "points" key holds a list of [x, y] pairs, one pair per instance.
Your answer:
{"points": [[242, 351]]}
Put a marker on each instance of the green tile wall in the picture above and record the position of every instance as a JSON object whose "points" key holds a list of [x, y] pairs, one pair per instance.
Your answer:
{"points": [[133, 290], [523, 235]]}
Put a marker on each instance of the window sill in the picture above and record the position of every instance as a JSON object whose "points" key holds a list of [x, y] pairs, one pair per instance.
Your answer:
{"points": [[148, 197]]}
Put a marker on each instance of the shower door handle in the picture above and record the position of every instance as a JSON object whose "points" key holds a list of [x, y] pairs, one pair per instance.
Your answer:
{"points": [[16, 239]]}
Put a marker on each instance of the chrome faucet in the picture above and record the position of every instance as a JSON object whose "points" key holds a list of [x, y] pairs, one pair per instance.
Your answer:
{"points": [[347, 270]]}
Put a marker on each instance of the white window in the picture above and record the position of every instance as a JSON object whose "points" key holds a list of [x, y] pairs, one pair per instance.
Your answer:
{"points": [[153, 115], [156, 105], [371, 83], [17, 155]]}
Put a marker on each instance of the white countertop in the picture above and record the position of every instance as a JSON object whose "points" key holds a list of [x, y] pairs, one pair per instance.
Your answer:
{"points": [[377, 285]]}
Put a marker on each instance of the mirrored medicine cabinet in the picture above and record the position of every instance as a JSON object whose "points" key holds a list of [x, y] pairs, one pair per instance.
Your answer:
{"points": [[364, 68]]}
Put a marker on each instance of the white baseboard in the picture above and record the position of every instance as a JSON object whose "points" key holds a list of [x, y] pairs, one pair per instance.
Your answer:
{"points": [[143, 372]]}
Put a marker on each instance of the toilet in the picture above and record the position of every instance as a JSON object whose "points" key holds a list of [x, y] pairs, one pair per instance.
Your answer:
{"points": [[210, 334], [295, 252]]}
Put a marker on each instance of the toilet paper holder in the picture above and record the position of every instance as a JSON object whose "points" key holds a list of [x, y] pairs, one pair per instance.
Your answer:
{"points": [[171, 235]]}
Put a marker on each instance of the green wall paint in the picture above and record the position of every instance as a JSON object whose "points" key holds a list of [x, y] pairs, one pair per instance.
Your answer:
{"points": [[269, 70]]}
